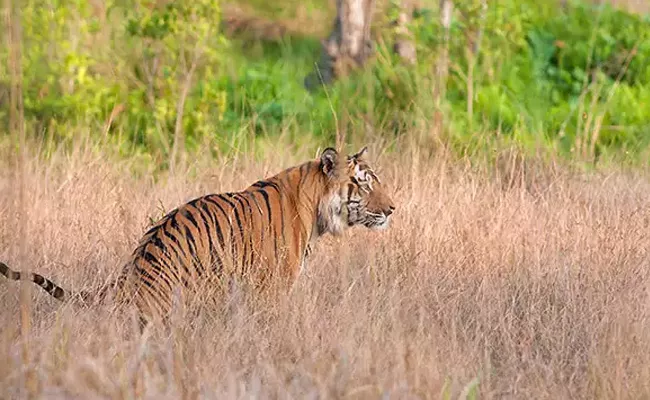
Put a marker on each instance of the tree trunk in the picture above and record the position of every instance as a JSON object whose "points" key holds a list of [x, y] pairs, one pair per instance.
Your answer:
{"points": [[474, 47], [348, 45], [404, 45], [442, 67]]}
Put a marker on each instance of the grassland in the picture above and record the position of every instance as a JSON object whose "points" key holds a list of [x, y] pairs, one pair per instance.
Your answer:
{"points": [[513, 280]]}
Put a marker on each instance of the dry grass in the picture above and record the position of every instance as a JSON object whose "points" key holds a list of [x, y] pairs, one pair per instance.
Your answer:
{"points": [[639, 6], [531, 293]]}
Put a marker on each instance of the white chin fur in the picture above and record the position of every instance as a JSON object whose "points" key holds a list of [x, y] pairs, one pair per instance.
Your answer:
{"points": [[382, 226]]}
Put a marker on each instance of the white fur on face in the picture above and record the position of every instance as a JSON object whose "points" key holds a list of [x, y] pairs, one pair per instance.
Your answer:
{"points": [[331, 215], [359, 174], [364, 176], [381, 225]]}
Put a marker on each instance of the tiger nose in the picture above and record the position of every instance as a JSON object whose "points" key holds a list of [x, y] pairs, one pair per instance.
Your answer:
{"points": [[389, 211]]}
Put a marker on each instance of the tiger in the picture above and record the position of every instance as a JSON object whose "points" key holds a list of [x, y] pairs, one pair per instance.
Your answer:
{"points": [[267, 229]]}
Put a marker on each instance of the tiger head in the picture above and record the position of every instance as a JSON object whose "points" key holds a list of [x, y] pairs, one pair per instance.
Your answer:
{"points": [[357, 196]]}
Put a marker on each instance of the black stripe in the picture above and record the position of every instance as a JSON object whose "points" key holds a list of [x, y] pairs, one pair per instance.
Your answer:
{"points": [[268, 205], [224, 197], [239, 224], [206, 232], [169, 266], [159, 244], [152, 229], [187, 214], [153, 261], [169, 235], [265, 184], [232, 228], [250, 230], [191, 242], [238, 218], [190, 217], [194, 201], [152, 289], [176, 226], [181, 256], [281, 209], [232, 231], [8, 272], [38, 279], [161, 271], [41, 281], [272, 228], [173, 222], [213, 254], [259, 211], [150, 279], [242, 231], [205, 207], [58, 293]]}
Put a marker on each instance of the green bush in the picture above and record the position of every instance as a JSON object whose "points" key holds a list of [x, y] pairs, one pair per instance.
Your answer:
{"points": [[541, 75], [542, 71]]}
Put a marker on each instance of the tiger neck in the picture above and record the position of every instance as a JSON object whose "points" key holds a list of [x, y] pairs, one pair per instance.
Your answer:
{"points": [[307, 205], [306, 197]]}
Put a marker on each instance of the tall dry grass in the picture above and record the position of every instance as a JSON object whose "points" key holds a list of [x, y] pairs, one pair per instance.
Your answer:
{"points": [[640, 6], [516, 288]]}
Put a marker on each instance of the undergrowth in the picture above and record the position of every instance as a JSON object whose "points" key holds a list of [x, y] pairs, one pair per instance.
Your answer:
{"points": [[136, 74]]}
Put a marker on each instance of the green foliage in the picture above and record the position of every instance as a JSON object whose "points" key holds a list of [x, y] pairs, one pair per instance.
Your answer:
{"points": [[57, 63], [541, 72], [179, 50], [576, 79], [126, 64]]}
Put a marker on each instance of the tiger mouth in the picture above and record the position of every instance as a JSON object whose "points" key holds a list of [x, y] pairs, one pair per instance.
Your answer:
{"points": [[382, 225], [377, 222]]}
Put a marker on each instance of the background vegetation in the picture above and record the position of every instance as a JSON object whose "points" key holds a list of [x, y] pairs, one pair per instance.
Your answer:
{"points": [[152, 78]]}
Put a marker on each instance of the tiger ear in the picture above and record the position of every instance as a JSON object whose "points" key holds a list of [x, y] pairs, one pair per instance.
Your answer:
{"points": [[328, 160], [360, 154]]}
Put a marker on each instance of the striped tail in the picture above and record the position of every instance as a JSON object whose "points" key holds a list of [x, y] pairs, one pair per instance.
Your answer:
{"points": [[50, 287]]}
